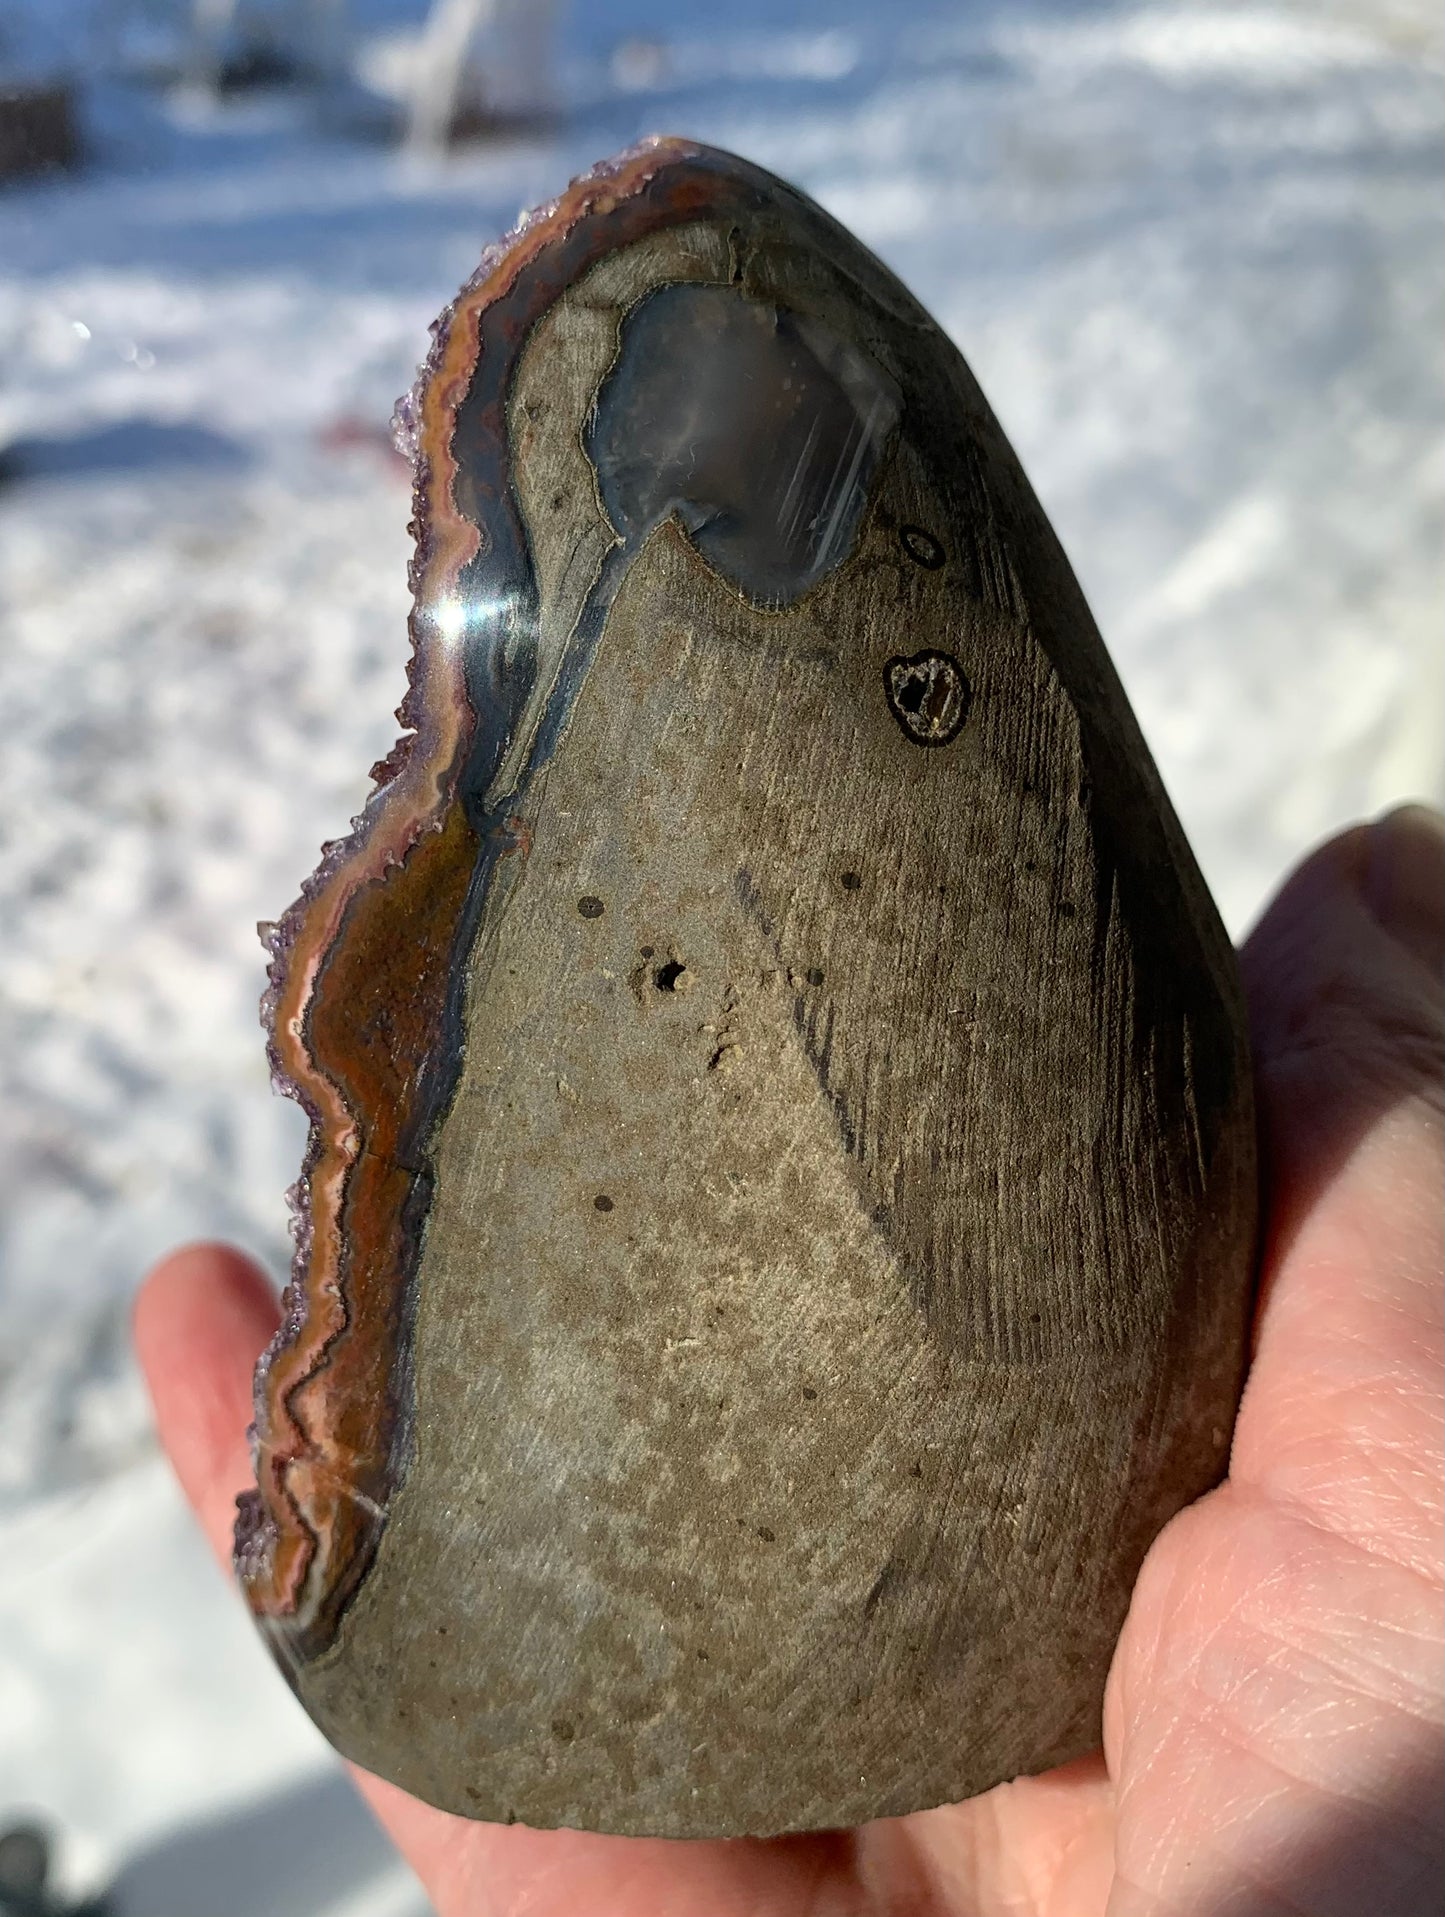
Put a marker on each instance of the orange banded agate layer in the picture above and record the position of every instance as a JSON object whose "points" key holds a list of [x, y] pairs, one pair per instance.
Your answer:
{"points": [[364, 962]]}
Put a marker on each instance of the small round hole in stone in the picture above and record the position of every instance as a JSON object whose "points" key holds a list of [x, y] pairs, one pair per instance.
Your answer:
{"points": [[922, 548]]}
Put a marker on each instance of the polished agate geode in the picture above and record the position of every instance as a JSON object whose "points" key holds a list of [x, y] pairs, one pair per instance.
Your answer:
{"points": [[775, 1240]]}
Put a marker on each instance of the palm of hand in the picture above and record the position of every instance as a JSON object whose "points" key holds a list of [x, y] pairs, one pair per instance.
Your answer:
{"points": [[1272, 1728]]}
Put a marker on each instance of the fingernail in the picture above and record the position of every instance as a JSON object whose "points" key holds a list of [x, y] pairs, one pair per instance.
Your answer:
{"points": [[1404, 880]]}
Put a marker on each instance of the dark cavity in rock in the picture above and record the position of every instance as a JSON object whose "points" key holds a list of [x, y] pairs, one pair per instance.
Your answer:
{"points": [[921, 547], [928, 695]]}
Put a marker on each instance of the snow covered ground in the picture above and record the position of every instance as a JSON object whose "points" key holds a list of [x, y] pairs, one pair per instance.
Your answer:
{"points": [[1193, 254]]}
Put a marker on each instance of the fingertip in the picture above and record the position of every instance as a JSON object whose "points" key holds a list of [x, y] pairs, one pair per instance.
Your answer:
{"points": [[201, 1319], [1339, 997], [201, 1281], [1404, 881]]}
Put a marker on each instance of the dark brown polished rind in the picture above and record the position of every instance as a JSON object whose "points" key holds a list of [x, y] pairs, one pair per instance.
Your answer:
{"points": [[776, 1237]]}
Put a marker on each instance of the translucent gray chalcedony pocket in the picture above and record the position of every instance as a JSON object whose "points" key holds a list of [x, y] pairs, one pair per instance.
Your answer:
{"points": [[760, 429]]}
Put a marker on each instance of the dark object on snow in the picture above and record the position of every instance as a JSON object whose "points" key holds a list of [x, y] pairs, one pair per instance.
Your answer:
{"points": [[24, 1867], [24, 1874], [38, 132], [257, 65]]}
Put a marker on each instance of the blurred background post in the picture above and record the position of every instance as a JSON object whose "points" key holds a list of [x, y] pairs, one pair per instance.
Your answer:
{"points": [[461, 85]]}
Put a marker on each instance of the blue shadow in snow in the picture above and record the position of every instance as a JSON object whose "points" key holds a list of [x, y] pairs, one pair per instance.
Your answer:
{"points": [[128, 446], [303, 1850]]}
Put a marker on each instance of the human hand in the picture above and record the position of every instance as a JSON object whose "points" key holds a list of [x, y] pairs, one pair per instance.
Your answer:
{"points": [[1272, 1729]]}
